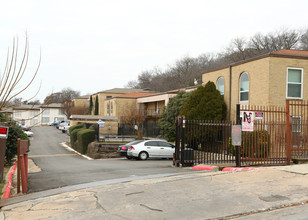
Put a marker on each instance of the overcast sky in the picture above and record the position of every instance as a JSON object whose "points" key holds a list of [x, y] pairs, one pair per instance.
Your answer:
{"points": [[96, 45]]}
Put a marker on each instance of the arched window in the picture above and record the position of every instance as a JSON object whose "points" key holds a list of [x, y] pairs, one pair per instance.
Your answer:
{"points": [[244, 87], [220, 85]]}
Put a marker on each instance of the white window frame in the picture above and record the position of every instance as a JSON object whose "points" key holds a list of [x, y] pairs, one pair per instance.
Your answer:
{"points": [[46, 111], [245, 101], [34, 113], [223, 93], [45, 120], [17, 114], [302, 82]]}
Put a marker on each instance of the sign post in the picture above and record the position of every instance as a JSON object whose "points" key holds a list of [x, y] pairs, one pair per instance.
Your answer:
{"points": [[101, 124], [236, 135], [4, 131]]}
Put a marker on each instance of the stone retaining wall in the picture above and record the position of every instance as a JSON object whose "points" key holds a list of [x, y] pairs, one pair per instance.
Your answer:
{"points": [[99, 150]]}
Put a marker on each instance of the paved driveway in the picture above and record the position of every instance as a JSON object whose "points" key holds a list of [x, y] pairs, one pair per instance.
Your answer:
{"points": [[60, 167]]}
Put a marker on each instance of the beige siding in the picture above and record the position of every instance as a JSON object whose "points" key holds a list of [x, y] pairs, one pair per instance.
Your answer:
{"points": [[267, 81], [123, 106], [278, 78], [81, 102], [101, 102], [213, 77], [258, 72]]}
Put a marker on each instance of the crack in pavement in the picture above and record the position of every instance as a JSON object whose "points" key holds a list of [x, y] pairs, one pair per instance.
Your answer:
{"points": [[128, 194], [260, 211], [153, 209], [98, 205]]}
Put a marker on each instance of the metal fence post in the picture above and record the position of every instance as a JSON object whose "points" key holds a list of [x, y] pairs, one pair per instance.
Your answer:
{"points": [[288, 133], [182, 140], [237, 148], [177, 144]]}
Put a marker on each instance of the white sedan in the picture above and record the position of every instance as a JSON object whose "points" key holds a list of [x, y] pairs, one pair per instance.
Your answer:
{"points": [[151, 149], [29, 133]]}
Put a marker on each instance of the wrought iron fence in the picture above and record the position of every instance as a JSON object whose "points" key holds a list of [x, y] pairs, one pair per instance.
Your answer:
{"points": [[278, 136], [148, 129], [201, 141]]}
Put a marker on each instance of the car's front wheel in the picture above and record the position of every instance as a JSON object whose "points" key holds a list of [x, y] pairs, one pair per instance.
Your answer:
{"points": [[143, 155]]}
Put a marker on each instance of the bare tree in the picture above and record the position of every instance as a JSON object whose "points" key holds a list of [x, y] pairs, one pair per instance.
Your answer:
{"points": [[34, 102], [69, 109], [304, 41], [13, 81], [134, 117], [60, 97], [132, 84], [69, 94], [184, 71]]}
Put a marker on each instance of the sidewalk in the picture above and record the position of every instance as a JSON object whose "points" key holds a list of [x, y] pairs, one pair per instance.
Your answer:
{"points": [[269, 193]]}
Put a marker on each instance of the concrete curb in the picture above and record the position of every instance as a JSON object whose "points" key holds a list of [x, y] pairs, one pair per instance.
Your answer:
{"points": [[65, 189], [71, 149], [203, 167], [240, 168], [9, 184]]}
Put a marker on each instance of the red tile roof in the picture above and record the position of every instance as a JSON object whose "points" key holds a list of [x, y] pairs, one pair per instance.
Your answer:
{"points": [[298, 54], [291, 52], [136, 94]]}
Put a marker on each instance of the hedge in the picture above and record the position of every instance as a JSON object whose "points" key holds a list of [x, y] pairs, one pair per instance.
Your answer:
{"points": [[72, 128], [73, 132], [84, 138]]}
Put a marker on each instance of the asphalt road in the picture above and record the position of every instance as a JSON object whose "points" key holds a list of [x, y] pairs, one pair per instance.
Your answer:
{"points": [[61, 167]]}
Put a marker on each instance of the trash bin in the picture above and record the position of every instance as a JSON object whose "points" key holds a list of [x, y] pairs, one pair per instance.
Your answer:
{"points": [[188, 157]]}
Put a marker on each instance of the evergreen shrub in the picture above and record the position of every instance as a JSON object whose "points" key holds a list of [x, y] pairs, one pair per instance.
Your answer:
{"points": [[73, 132], [84, 138]]}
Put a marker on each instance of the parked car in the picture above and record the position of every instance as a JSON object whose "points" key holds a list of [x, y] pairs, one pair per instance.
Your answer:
{"points": [[65, 128], [25, 128], [58, 124], [122, 149], [52, 123], [64, 125], [29, 133], [151, 149]]}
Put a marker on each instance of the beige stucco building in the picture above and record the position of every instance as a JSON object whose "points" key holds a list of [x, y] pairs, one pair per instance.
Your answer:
{"points": [[265, 80], [82, 101], [152, 105], [124, 104], [108, 94]]}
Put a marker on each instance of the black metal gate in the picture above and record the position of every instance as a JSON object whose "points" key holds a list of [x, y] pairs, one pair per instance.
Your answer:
{"points": [[207, 142]]}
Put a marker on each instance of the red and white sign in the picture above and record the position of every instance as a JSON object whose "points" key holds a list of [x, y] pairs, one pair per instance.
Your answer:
{"points": [[247, 121], [4, 132], [259, 115]]}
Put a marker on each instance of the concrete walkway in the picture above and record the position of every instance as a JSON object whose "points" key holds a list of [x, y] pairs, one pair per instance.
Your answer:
{"points": [[268, 193]]}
